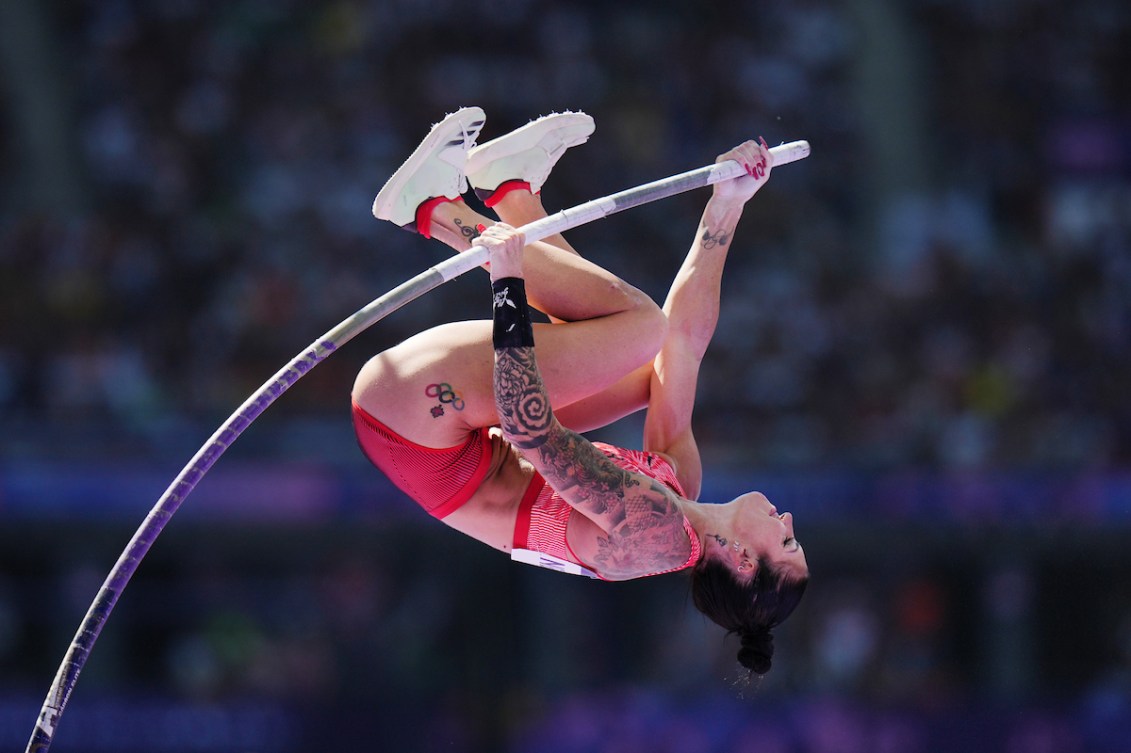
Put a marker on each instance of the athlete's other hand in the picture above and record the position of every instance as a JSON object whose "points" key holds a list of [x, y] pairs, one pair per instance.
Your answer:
{"points": [[504, 244], [755, 158]]}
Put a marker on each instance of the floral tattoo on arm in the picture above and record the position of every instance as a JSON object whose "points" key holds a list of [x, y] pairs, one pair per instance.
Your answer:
{"points": [[641, 517]]}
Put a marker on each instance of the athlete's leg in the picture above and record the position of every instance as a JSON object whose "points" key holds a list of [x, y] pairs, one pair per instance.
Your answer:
{"points": [[508, 173], [401, 386], [423, 195], [559, 282], [615, 328], [520, 206]]}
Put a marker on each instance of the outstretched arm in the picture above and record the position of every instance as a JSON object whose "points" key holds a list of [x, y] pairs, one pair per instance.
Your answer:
{"points": [[640, 519], [692, 308]]}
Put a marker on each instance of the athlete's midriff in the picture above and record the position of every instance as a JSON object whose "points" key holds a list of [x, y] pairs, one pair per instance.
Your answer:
{"points": [[441, 480]]}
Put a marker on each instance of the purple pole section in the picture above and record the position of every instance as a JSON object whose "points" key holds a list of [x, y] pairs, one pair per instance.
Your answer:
{"points": [[154, 523]]}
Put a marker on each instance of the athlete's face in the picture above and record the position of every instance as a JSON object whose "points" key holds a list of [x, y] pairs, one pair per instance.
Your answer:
{"points": [[761, 532]]}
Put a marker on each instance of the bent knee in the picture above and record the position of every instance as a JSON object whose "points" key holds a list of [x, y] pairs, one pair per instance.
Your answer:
{"points": [[367, 384]]}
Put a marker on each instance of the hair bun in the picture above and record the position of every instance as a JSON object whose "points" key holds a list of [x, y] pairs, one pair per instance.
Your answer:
{"points": [[757, 651]]}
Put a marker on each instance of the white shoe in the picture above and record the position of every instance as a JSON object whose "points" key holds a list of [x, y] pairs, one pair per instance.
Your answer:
{"points": [[527, 154], [435, 169]]}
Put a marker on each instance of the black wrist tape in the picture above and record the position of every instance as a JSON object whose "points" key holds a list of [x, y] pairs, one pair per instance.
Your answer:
{"points": [[512, 315]]}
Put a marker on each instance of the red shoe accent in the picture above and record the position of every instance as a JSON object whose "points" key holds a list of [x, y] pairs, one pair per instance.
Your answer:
{"points": [[502, 190], [424, 214]]}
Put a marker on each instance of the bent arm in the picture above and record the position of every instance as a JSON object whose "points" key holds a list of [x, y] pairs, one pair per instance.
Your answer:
{"points": [[692, 308], [640, 518]]}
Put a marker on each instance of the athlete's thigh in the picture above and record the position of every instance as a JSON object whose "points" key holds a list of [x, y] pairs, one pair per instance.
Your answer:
{"points": [[628, 395], [436, 386]]}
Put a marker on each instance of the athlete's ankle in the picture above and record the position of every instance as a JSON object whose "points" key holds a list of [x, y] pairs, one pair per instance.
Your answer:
{"points": [[505, 189], [456, 224], [519, 206]]}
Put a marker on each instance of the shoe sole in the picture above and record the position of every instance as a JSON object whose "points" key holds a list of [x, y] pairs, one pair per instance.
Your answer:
{"points": [[467, 119]]}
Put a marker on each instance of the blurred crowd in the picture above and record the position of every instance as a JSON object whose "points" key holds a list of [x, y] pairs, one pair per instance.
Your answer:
{"points": [[944, 284], [968, 308]]}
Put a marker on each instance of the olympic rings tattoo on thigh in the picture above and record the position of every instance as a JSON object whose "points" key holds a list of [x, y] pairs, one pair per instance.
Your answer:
{"points": [[446, 394]]}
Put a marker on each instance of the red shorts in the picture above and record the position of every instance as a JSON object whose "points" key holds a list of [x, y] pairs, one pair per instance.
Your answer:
{"points": [[439, 480]]}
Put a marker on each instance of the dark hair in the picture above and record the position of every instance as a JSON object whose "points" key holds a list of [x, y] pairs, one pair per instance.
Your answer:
{"points": [[749, 609]]}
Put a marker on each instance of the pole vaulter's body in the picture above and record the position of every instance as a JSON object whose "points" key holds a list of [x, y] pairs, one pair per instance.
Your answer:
{"points": [[468, 121]]}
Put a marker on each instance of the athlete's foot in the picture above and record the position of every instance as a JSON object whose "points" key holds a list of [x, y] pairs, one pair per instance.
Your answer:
{"points": [[432, 175], [522, 160]]}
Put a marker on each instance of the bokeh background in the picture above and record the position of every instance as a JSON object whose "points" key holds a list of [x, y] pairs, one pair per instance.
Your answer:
{"points": [[924, 353]]}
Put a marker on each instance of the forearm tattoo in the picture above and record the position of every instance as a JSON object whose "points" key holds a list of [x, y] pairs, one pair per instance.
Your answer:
{"points": [[641, 517], [712, 240], [520, 397]]}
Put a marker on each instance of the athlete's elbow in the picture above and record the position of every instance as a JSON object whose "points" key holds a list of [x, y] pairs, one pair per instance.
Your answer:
{"points": [[522, 434], [694, 336]]}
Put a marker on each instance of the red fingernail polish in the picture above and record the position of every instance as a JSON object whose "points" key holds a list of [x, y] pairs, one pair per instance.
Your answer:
{"points": [[481, 227]]}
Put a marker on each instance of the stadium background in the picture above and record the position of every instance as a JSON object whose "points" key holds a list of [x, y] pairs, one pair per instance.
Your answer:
{"points": [[924, 353]]}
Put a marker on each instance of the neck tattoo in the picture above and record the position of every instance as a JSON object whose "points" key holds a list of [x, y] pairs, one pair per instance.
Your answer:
{"points": [[722, 541]]}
